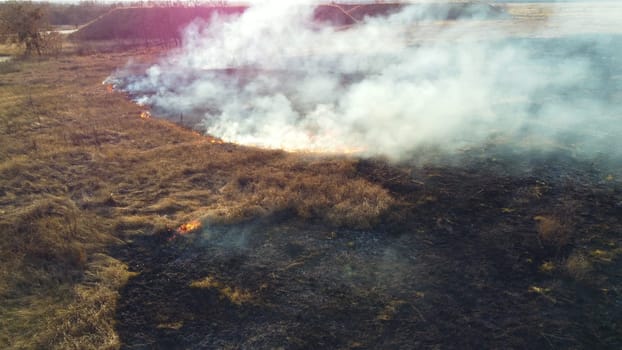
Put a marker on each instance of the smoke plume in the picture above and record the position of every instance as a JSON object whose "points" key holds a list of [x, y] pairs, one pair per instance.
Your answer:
{"points": [[276, 77]]}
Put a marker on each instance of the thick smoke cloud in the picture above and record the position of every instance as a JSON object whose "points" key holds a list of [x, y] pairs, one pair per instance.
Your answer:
{"points": [[388, 86]]}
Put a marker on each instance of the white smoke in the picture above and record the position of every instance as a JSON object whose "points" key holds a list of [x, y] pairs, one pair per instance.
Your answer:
{"points": [[274, 77]]}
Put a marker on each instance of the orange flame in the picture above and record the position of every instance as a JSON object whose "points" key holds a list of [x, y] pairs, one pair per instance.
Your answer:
{"points": [[185, 229], [109, 88], [188, 227], [215, 141], [145, 115]]}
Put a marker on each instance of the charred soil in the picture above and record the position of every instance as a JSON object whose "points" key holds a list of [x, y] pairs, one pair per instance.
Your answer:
{"points": [[490, 252]]}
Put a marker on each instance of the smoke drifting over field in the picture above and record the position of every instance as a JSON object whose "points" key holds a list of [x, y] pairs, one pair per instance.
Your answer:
{"points": [[276, 78]]}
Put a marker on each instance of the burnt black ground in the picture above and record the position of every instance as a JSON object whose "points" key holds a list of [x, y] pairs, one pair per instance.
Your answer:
{"points": [[457, 264]]}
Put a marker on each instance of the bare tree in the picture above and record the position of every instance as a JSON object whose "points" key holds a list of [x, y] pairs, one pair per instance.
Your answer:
{"points": [[22, 23]]}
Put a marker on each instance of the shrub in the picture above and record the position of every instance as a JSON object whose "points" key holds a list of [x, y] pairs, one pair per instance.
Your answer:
{"points": [[51, 43]]}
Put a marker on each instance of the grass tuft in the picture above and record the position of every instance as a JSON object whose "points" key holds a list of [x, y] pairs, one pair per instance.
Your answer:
{"points": [[578, 267], [10, 66]]}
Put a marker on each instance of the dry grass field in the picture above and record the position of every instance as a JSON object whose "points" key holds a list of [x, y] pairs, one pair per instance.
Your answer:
{"points": [[80, 170]]}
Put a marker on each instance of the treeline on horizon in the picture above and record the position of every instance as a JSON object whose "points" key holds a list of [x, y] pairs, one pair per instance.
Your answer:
{"points": [[78, 13], [160, 22], [84, 11], [143, 22]]}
